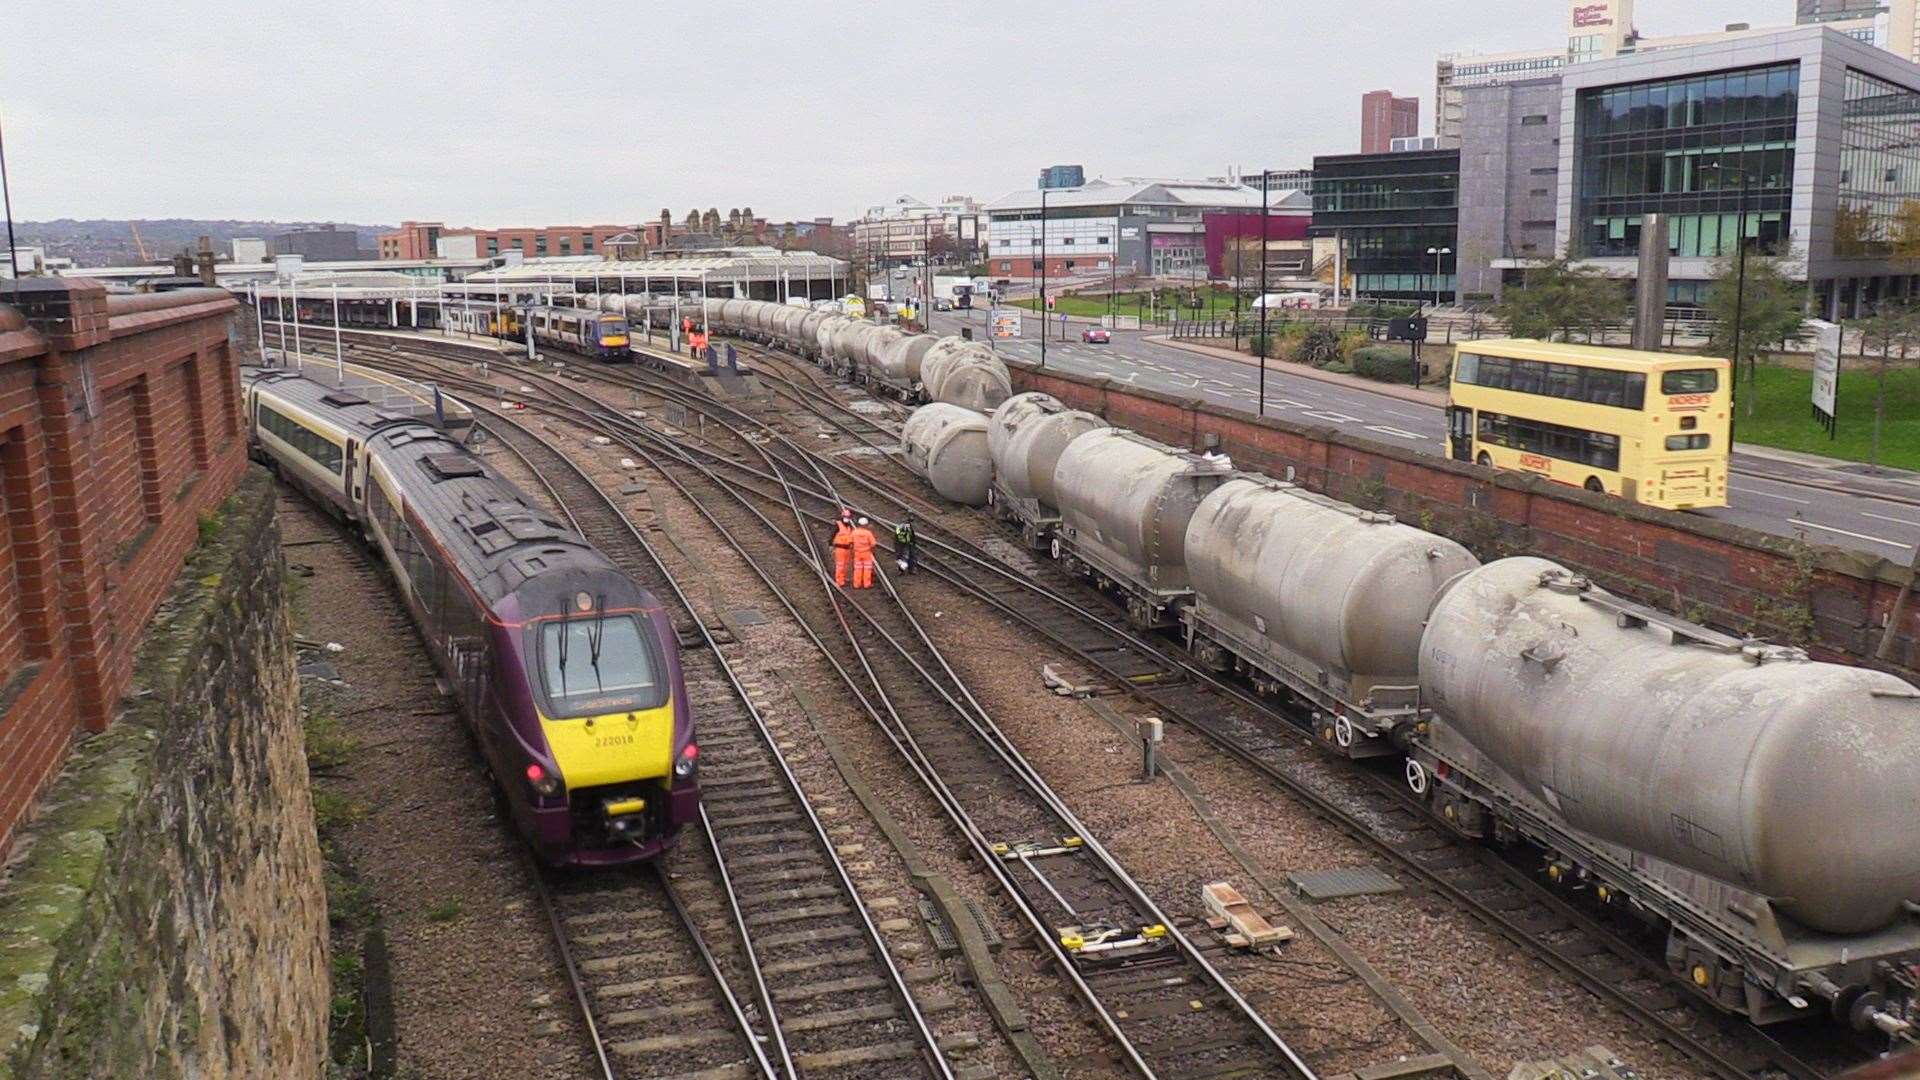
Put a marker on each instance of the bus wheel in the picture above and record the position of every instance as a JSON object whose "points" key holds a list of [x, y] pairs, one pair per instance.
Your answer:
{"points": [[1485, 460], [1594, 484]]}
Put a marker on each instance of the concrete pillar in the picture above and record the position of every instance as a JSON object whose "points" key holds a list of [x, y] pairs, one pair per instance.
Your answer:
{"points": [[1650, 291]]}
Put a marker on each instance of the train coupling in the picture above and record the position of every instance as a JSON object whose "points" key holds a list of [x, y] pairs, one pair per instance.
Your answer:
{"points": [[624, 815]]}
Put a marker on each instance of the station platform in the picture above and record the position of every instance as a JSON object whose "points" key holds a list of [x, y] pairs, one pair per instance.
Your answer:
{"points": [[723, 384]]}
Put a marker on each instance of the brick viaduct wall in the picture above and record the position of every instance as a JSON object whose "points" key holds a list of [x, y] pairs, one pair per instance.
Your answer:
{"points": [[120, 427], [1835, 602]]}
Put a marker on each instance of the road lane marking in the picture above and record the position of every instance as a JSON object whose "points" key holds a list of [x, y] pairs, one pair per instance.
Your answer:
{"points": [[1395, 432], [1406, 416], [1857, 536], [1338, 418], [1895, 520], [1771, 495]]}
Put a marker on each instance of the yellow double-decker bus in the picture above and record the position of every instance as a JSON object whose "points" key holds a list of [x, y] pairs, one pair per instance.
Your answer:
{"points": [[1650, 427]]}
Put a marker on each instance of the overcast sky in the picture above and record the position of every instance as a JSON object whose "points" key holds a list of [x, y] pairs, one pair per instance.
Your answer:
{"points": [[484, 113]]}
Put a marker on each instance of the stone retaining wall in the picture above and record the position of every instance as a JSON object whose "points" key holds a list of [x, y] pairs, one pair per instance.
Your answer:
{"points": [[166, 916]]}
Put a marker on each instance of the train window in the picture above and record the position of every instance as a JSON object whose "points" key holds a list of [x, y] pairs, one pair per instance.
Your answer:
{"points": [[622, 667], [304, 440]]}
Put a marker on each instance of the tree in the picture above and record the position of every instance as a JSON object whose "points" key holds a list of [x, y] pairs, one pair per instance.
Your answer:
{"points": [[1895, 325], [1559, 298], [1771, 313]]}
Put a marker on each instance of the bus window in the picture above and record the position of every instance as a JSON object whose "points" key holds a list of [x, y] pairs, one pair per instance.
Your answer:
{"points": [[1689, 442], [1691, 381]]}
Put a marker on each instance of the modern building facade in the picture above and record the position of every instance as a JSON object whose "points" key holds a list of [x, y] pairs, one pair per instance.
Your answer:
{"points": [[1900, 20], [907, 230], [325, 242], [1384, 118], [1801, 141], [1395, 219], [1509, 181], [1062, 176], [1130, 225], [1603, 29]]}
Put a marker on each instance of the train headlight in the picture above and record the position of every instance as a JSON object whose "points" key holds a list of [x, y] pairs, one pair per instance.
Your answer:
{"points": [[543, 782], [689, 760]]}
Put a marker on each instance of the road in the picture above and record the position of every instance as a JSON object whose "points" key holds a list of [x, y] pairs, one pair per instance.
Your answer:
{"points": [[1819, 505]]}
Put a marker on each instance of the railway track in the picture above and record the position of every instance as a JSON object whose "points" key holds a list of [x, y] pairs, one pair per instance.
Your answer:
{"points": [[1369, 807], [1366, 805], [826, 998], [1169, 1010]]}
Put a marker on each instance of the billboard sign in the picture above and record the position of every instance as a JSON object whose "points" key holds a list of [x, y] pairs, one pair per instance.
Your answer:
{"points": [[1592, 14], [1826, 370], [1005, 322]]}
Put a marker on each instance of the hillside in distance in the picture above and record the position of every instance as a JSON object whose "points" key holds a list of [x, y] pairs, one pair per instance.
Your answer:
{"points": [[109, 241]]}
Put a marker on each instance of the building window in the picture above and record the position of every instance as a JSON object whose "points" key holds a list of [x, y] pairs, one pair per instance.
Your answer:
{"points": [[566, 246], [1544, 170], [586, 243], [1536, 120], [1686, 147], [1005, 265], [1540, 191], [1879, 170], [1102, 240]]}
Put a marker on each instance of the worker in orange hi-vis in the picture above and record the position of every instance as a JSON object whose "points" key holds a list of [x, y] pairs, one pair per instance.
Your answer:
{"points": [[843, 548], [863, 543]]}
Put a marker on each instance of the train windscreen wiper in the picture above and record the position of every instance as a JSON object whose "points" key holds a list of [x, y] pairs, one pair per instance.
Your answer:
{"points": [[596, 635], [563, 651]]}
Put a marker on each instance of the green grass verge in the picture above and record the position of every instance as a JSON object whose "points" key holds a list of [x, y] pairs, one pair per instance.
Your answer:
{"points": [[1784, 414]]}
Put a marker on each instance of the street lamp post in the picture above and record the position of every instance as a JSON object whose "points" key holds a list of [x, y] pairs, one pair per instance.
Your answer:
{"points": [[1438, 253], [1043, 277], [1265, 345]]}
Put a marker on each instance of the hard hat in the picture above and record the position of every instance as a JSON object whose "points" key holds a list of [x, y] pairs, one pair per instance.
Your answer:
{"points": [[863, 521]]}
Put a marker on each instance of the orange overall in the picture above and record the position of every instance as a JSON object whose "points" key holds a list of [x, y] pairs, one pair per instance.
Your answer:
{"points": [[863, 541], [842, 551]]}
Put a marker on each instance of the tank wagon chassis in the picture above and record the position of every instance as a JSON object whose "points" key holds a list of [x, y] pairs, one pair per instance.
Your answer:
{"points": [[1168, 1008]]}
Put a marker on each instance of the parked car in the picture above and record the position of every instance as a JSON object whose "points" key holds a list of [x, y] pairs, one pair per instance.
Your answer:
{"points": [[1094, 335]]}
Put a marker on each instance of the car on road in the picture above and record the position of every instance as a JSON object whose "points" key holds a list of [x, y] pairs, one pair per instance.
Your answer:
{"points": [[1094, 335], [942, 304]]}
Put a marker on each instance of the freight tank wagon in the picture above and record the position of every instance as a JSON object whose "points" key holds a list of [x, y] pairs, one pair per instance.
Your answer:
{"points": [[1320, 601], [1755, 804]]}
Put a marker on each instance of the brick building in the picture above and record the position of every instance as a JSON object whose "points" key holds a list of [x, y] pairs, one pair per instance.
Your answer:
{"points": [[120, 424], [1384, 118], [424, 240]]}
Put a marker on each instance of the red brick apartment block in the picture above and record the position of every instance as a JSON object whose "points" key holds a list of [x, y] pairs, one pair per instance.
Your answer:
{"points": [[119, 426]]}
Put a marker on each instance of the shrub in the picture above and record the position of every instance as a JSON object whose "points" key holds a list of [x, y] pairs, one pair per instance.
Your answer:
{"points": [[1384, 362], [1338, 367], [1319, 346]]}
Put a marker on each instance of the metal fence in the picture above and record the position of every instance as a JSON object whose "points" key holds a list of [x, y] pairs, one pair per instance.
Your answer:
{"points": [[1446, 330]]}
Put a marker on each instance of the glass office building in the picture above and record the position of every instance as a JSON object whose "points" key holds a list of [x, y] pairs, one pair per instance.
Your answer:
{"points": [[1389, 211], [1879, 210], [1695, 148], [1813, 134]]}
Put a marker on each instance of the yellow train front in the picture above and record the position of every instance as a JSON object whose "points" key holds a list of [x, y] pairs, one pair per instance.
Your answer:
{"points": [[567, 671]]}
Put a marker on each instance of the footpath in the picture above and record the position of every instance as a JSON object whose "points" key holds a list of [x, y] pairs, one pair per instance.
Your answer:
{"points": [[1785, 466]]}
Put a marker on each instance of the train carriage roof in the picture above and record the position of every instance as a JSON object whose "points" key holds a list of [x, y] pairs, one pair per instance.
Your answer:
{"points": [[497, 536]]}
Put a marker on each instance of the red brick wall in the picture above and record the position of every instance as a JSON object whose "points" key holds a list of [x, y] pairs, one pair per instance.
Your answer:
{"points": [[1836, 602], [119, 428]]}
